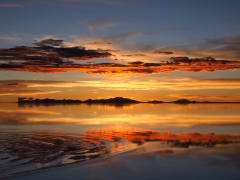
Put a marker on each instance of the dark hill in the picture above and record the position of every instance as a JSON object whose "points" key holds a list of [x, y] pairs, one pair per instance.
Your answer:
{"points": [[183, 101], [116, 100]]}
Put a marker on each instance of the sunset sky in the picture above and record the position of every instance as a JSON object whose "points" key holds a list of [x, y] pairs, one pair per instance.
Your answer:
{"points": [[139, 49]]}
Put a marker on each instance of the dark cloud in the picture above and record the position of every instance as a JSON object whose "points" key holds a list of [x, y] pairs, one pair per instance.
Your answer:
{"points": [[151, 64], [143, 71], [50, 42], [183, 64], [50, 51], [50, 55], [131, 55], [158, 51], [136, 63], [176, 64]]}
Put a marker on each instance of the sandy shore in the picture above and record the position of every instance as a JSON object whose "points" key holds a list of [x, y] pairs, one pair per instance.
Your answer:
{"points": [[150, 162]]}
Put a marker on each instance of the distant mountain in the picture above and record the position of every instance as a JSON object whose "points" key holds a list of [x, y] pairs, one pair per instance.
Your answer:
{"points": [[183, 101], [116, 100]]}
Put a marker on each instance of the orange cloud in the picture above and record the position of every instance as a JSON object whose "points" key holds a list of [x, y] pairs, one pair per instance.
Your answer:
{"points": [[26, 92], [183, 65], [118, 84], [51, 55]]}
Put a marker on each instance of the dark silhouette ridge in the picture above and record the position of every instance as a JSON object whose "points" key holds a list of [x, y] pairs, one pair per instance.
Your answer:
{"points": [[117, 101], [184, 101]]}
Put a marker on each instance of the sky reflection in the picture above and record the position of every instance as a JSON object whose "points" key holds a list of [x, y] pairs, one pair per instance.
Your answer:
{"points": [[167, 117]]}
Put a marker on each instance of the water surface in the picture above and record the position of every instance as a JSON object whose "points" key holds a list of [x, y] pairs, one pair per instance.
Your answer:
{"points": [[161, 135]]}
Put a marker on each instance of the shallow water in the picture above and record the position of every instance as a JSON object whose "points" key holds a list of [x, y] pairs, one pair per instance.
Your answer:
{"points": [[162, 136]]}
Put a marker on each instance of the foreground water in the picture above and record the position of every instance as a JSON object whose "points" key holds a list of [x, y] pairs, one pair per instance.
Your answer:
{"points": [[143, 141]]}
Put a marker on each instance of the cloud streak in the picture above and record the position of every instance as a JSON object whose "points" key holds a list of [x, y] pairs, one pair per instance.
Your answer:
{"points": [[25, 3], [221, 48], [22, 88], [176, 87], [101, 23], [11, 5]]}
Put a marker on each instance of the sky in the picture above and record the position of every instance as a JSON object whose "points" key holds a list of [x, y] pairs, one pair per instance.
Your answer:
{"points": [[140, 49]]}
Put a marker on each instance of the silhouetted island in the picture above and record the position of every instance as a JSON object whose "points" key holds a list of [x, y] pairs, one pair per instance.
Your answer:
{"points": [[47, 101], [118, 101]]}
